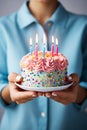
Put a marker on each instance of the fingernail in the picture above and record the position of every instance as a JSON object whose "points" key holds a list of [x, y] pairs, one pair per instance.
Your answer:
{"points": [[70, 78], [48, 96], [43, 94], [54, 94], [18, 78], [34, 95]]}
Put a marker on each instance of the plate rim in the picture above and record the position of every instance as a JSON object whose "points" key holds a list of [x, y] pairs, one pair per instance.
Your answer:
{"points": [[44, 89]]}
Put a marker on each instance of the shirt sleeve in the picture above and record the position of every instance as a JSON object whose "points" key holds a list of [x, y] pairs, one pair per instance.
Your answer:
{"points": [[3, 67], [3, 63], [83, 78]]}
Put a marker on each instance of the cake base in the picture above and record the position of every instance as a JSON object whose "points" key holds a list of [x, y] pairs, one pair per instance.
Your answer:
{"points": [[43, 79]]}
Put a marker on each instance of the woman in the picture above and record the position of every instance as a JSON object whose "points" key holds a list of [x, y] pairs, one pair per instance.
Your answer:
{"points": [[28, 109]]}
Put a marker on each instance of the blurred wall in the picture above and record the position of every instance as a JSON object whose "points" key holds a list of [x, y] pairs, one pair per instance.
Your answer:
{"points": [[76, 6], [8, 6]]}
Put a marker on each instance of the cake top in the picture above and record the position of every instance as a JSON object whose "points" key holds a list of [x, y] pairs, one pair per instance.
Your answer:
{"points": [[49, 63]]}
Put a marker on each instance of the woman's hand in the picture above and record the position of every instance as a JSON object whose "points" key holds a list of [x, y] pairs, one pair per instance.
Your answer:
{"points": [[74, 94], [18, 95]]}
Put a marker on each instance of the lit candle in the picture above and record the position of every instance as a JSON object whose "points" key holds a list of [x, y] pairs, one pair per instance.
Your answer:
{"points": [[36, 47], [44, 45], [30, 46], [56, 46], [52, 47]]}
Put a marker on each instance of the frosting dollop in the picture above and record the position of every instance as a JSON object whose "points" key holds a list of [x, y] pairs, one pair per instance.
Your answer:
{"points": [[48, 64]]}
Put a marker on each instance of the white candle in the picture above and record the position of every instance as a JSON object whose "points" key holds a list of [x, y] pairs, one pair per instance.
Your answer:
{"points": [[36, 38], [44, 45], [30, 46], [36, 47]]}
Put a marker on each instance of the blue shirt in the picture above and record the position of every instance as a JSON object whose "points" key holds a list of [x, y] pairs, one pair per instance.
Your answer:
{"points": [[43, 113]]}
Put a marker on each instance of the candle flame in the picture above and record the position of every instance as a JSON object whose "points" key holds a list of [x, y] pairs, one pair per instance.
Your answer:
{"points": [[30, 41], [36, 38], [44, 39], [56, 41], [52, 39]]}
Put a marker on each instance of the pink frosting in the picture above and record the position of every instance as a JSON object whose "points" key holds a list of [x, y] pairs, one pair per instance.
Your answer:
{"points": [[38, 65], [48, 64]]}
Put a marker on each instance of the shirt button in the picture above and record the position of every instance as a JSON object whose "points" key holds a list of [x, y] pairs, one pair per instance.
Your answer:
{"points": [[42, 114], [49, 24], [86, 109]]}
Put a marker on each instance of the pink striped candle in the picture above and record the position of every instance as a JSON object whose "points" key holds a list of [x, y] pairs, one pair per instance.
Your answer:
{"points": [[52, 47], [56, 46]]}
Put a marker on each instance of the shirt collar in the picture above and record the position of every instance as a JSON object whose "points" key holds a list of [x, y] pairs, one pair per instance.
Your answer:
{"points": [[25, 17], [60, 16]]}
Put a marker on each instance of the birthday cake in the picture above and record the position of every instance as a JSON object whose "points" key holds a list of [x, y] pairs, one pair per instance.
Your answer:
{"points": [[47, 71]]}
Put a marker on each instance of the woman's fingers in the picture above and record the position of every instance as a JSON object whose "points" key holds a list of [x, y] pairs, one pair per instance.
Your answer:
{"points": [[74, 77], [20, 95], [69, 95], [19, 79], [14, 77]]}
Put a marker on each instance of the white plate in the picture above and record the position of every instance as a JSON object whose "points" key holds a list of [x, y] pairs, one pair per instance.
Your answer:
{"points": [[42, 89]]}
